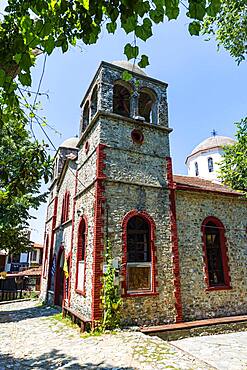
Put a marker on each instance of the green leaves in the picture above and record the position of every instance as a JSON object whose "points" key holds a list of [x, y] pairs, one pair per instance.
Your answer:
{"points": [[25, 79], [194, 28], [172, 9], [111, 27], [126, 76], [2, 77], [131, 51], [144, 62], [233, 168], [197, 9], [144, 31]]}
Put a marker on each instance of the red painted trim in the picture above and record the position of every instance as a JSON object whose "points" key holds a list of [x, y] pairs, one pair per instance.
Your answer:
{"points": [[98, 234], [54, 220], [224, 255], [45, 259], [83, 219], [58, 276], [72, 234], [65, 207], [174, 234], [151, 224], [201, 190]]}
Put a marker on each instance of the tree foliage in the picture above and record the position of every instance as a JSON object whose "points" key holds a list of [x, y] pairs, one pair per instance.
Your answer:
{"points": [[23, 164], [49, 24], [230, 27], [234, 166]]}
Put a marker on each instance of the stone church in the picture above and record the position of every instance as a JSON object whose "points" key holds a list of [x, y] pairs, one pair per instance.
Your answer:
{"points": [[179, 242]]}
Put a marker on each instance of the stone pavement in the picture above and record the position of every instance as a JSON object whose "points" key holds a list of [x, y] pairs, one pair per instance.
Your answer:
{"points": [[222, 351], [32, 338]]}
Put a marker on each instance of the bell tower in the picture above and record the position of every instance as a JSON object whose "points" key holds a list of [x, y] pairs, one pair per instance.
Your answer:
{"points": [[123, 191]]}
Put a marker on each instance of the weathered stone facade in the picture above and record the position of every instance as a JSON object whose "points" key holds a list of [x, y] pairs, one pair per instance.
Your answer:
{"points": [[192, 209], [120, 166]]}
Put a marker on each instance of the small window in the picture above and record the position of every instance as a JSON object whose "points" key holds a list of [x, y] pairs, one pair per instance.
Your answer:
{"points": [[196, 169], [94, 101], [121, 100], [210, 164], [81, 250], [146, 105], [215, 253], [85, 118], [33, 256], [65, 207], [139, 264]]}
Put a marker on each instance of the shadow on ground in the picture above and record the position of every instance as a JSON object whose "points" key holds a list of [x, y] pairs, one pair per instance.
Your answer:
{"points": [[52, 360], [26, 313]]}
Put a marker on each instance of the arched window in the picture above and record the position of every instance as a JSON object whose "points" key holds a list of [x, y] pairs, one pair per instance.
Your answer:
{"points": [[121, 100], [81, 253], [65, 207], [196, 169], [215, 253], [85, 116], [146, 105], [139, 253], [210, 164], [94, 101]]}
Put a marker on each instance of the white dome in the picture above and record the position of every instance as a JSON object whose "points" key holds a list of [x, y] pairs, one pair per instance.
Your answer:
{"points": [[212, 142], [129, 66], [70, 143]]}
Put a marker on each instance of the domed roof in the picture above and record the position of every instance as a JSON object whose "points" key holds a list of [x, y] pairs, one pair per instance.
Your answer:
{"points": [[70, 143], [212, 142], [129, 66]]}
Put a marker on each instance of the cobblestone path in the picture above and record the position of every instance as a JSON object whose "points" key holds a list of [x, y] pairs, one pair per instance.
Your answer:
{"points": [[30, 338]]}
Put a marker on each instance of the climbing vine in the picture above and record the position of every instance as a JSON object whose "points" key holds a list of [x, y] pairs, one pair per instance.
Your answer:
{"points": [[110, 296]]}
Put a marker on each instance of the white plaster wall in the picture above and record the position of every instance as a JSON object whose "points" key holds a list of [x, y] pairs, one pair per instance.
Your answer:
{"points": [[202, 160]]}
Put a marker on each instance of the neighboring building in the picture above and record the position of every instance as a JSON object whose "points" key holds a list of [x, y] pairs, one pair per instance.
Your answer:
{"points": [[205, 158], [22, 261], [179, 242]]}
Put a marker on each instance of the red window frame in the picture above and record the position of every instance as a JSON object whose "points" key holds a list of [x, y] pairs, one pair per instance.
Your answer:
{"points": [[151, 224], [80, 254], [224, 256]]}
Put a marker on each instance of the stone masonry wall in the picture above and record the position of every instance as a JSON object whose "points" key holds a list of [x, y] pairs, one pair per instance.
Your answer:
{"points": [[121, 199], [136, 178], [192, 209], [85, 206]]}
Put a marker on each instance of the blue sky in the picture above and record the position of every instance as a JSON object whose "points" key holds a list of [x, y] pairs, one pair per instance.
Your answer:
{"points": [[207, 90]]}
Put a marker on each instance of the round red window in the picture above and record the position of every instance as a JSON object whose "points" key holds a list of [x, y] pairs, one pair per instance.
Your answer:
{"points": [[137, 136]]}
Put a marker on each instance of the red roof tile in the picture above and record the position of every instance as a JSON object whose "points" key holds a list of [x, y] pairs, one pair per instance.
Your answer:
{"points": [[198, 184]]}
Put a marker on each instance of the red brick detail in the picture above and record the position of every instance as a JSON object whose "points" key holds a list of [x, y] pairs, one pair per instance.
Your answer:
{"points": [[54, 220], [224, 255], [151, 223], [83, 219], [72, 235], [174, 234], [98, 234]]}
